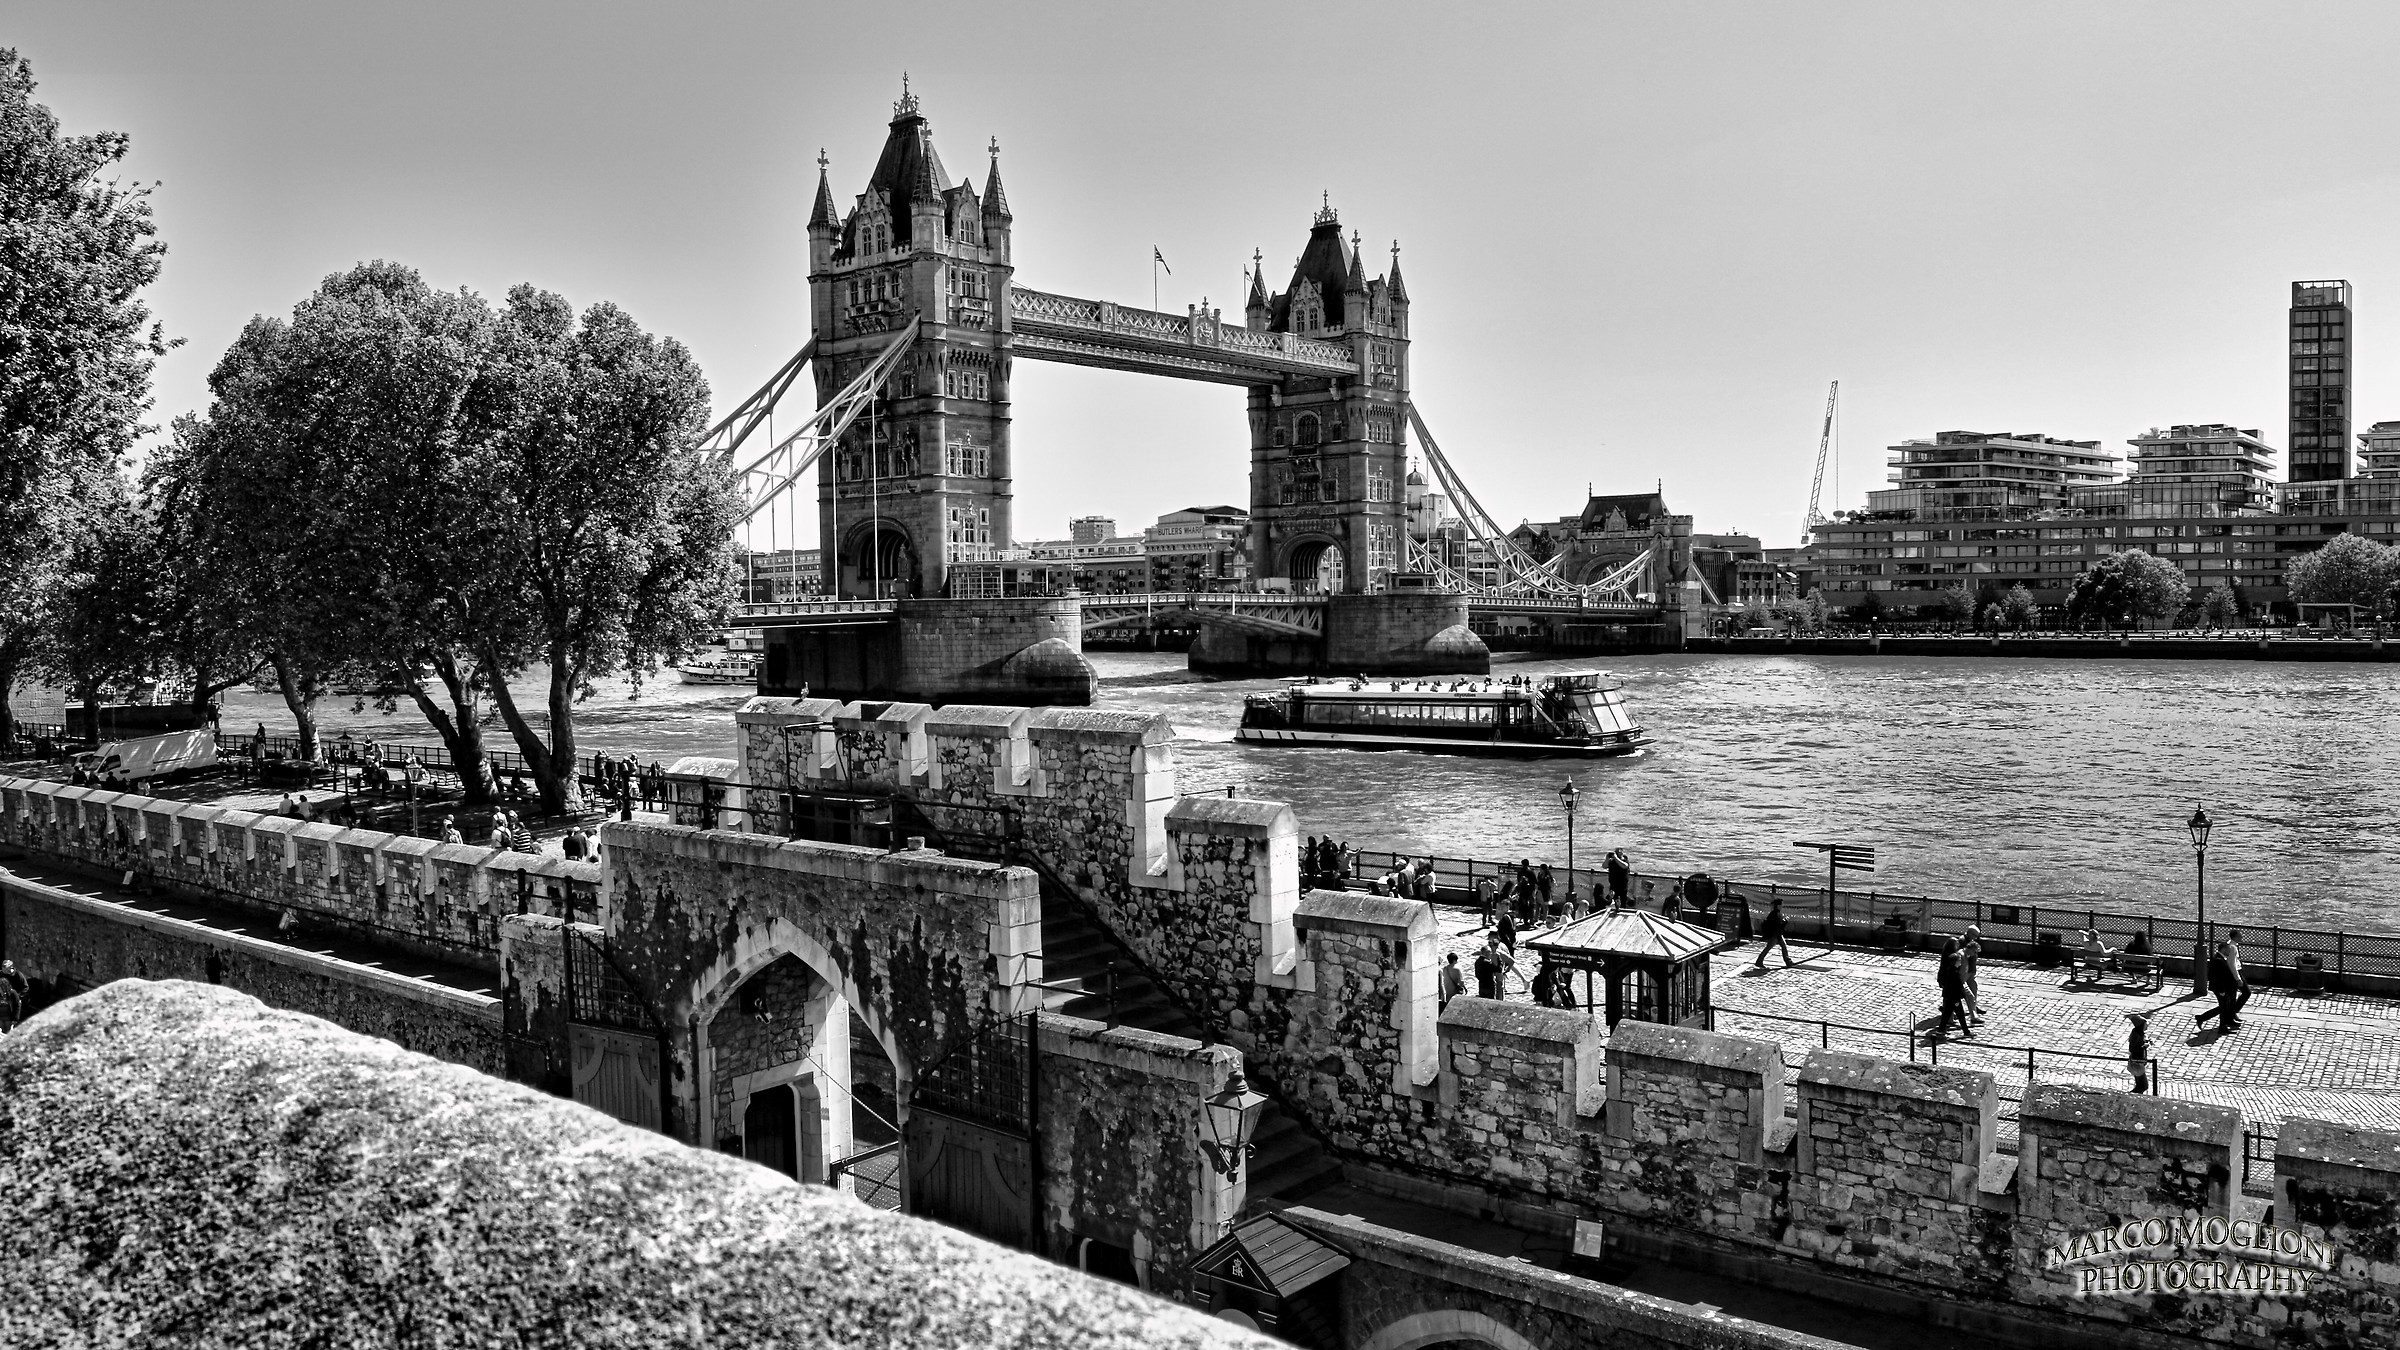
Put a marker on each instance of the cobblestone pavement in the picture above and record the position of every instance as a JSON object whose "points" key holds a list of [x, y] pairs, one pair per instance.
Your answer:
{"points": [[2332, 1056]]}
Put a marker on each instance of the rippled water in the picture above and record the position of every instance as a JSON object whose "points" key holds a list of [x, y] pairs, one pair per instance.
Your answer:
{"points": [[2031, 780]]}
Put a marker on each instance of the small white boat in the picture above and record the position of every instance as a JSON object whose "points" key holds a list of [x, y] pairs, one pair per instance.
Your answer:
{"points": [[1573, 713], [729, 668]]}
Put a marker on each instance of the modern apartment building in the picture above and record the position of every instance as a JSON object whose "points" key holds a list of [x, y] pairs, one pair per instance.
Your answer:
{"points": [[2199, 496], [2002, 471], [782, 574], [2320, 381], [2379, 451]]}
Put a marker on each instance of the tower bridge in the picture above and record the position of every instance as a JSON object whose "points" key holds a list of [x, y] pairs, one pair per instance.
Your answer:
{"points": [[918, 321]]}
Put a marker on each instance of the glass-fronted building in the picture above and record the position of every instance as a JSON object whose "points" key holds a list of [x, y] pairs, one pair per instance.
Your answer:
{"points": [[2320, 381]]}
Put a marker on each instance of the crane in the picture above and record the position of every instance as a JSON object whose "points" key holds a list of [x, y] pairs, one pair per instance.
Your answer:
{"points": [[1816, 490]]}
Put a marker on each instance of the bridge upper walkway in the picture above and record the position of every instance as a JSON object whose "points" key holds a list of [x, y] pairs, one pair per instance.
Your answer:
{"points": [[1194, 346], [1257, 611]]}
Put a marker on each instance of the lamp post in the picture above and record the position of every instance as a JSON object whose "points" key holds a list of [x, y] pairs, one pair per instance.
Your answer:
{"points": [[1232, 1115], [1566, 801], [2198, 825]]}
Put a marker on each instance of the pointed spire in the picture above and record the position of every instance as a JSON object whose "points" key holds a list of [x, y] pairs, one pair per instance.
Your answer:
{"points": [[907, 106], [1399, 292], [824, 213], [995, 198], [1358, 269], [1258, 280]]}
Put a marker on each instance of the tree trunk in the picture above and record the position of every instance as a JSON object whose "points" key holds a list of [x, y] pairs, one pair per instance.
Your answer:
{"points": [[456, 724], [10, 658], [300, 694], [552, 762]]}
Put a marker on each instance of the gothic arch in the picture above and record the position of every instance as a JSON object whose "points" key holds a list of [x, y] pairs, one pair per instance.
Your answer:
{"points": [[1449, 1326], [880, 547], [1304, 559]]}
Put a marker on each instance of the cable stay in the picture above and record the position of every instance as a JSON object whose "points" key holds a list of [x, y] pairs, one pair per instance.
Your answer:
{"points": [[766, 478], [723, 438], [1516, 574]]}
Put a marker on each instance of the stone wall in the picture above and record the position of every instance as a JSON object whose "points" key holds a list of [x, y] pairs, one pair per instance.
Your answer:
{"points": [[1889, 1169], [1404, 1290], [2338, 1184], [1696, 1135], [922, 945], [1120, 1135], [377, 1197], [74, 941], [439, 900]]}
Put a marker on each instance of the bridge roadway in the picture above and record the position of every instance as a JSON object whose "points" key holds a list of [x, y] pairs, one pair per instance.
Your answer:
{"points": [[1265, 613], [1193, 346]]}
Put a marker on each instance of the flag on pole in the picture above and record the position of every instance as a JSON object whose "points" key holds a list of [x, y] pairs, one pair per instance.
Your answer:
{"points": [[1160, 259]]}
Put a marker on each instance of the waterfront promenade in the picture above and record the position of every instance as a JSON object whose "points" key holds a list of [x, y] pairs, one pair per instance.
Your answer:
{"points": [[2328, 1056]]}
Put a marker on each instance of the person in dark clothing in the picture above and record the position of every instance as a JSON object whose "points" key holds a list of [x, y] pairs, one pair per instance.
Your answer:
{"points": [[2137, 1051], [1506, 935], [2225, 982], [1491, 967], [1542, 882], [1310, 861], [1620, 876], [1453, 983], [1953, 981], [1770, 935]]}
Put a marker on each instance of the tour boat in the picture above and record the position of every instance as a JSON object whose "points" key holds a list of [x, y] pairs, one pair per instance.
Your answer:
{"points": [[1580, 712], [729, 668]]}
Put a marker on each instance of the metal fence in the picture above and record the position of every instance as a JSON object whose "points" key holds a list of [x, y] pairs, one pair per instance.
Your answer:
{"points": [[1863, 916]]}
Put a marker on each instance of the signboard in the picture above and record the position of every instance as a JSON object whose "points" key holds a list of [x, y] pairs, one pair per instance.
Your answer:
{"points": [[1590, 1239]]}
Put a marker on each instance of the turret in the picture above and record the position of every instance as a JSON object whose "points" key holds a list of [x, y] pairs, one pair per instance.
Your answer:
{"points": [[996, 219], [1354, 288], [1257, 308], [824, 223]]}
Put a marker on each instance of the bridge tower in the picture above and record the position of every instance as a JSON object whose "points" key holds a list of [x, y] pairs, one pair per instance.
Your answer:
{"points": [[923, 481], [1328, 454]]}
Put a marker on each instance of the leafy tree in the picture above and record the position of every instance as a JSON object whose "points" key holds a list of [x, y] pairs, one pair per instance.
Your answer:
{"points": [[2219, 607], [1869, 610], [1994, 616], [2018, 607], [1955, 605], [76, 350], [2128, 587], [620, 537], [2349, 570], [103, 618]]}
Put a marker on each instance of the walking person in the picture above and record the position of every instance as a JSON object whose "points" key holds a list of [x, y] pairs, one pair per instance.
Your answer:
{"points": [[1620, 875], [2137, 1051], [2225, 982], [1770, 935], [1506, 934], [1953, 981], [1543, 880], [519, 838], [1970, 952], [2241, 981], [1487, 896], [1453, 984], [577, 845]]}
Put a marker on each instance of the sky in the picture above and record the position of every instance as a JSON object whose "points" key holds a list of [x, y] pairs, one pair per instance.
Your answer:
{"points": [[1639, 239]]}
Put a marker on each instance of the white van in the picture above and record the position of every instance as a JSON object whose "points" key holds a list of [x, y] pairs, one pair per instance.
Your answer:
{"points": [[136, 762]]}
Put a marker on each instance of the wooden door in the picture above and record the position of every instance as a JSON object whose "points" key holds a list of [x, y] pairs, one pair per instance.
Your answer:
{"points": [[770, 1130]]}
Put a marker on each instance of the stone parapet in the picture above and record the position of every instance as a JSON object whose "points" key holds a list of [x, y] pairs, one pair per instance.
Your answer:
{"points": [[407, 1192], [1689, 1113], [1889, 1169]]}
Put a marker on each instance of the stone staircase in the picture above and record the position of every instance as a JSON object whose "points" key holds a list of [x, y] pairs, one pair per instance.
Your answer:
{"points": [[1288, 1162]]}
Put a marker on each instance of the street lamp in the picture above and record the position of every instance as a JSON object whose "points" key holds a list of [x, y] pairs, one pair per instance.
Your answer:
{"points": [[1232, 1115], [2198, 825], [1566, 800]]}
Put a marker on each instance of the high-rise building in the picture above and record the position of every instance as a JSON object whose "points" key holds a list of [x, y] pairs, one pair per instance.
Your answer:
{"points": [[2320, 381]]}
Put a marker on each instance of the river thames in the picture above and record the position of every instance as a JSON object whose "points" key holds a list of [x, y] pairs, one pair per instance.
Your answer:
{"points": [[2019, 780]]}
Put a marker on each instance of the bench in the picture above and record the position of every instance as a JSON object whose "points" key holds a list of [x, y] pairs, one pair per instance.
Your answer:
{"points": [[2082, 962]]}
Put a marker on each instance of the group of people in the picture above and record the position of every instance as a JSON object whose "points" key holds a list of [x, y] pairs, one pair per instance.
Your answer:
{"points": [[1962, 994], [1325, 865], [626, 778]]}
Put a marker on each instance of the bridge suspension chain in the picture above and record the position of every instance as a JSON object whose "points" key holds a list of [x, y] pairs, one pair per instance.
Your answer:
{"points": [[1517, 574]]}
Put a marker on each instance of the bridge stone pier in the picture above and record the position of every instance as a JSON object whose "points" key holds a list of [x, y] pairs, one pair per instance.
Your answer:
{"points": [[1024, 652], [1398, 633]]}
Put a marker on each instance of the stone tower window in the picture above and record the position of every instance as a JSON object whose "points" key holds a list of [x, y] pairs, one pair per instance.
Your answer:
{"points": [[1308, 433]]}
